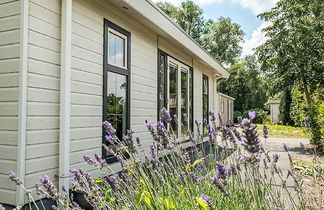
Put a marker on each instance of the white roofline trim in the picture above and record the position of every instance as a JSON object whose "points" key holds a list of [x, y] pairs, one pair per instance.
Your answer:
{"points": [[226, 96], [154, 14]]}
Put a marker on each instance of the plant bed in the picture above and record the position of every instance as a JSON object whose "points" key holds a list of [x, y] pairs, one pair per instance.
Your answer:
{"points": [[168, 177]]}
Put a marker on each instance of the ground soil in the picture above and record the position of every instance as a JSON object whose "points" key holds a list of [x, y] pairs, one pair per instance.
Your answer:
{"points": [[312, 183]]}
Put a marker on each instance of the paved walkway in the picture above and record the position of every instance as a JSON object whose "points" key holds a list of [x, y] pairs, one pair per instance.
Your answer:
{"points": [[275, 145]]}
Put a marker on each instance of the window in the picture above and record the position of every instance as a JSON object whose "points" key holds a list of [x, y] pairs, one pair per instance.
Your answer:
{"points": [[117, 48], [175, 92], [116, 91], [205, 104], [222, 106]]}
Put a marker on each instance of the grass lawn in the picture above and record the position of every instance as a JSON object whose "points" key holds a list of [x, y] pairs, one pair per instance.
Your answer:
{"points": [[285, 131]]}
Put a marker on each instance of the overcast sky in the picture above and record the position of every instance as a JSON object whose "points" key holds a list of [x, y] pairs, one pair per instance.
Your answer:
{"points": [[243, 12]]}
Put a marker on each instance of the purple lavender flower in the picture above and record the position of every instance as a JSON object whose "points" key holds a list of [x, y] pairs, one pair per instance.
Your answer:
{"points": [[302, 146], [221, 170], [13, 177], [113, 182], [175, 118], [153, 152], [89, 160], [285, 147], [165, 115], [109, 139], [55, 207], [213, 116], [205, 122], [289, 173], [208, 201], [220, 186], [252, 115], [275, 157], [307, 124], [99, 159], [110, 130], [250, 140], [265, 131], [138, 141], [49, 187]]}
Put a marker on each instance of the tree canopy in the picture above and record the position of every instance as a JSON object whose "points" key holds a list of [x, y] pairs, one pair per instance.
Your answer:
{"points": [[221, 39], [294, 52]]}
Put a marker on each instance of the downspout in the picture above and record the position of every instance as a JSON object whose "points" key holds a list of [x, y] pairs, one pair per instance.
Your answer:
{"points": [[64, 145], [216, 99], [22, 107]]}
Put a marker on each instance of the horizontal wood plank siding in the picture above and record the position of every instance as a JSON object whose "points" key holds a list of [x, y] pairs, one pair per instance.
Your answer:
{"points": [[43, 100], [9, 84]]}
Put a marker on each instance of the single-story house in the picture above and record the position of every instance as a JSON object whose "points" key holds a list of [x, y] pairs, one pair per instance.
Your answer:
{"points": [[226, 104], [68, 65]]}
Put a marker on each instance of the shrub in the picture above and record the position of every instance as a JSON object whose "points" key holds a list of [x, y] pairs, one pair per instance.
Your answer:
{"points": [[170, 177], [236, 115]]}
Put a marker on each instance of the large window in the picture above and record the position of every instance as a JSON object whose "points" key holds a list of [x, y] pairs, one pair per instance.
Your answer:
{"points": [[205, 104], [175, 92], [116, 82]]}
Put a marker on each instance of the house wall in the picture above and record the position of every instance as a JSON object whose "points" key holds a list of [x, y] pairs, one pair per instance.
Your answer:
{"points": [[43, 85], [9, 91], [225, 114]]}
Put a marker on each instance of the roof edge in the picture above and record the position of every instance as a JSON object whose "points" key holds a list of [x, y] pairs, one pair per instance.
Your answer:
{"points": [[174, 30]]}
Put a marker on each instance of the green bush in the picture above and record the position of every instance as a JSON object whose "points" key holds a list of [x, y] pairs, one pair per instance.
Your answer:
{"points": [[267, 120], [236, 115], [260, 115]]}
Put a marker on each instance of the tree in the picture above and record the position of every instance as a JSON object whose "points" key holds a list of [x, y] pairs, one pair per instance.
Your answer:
{"points": [[294, 52], [188, 16], [223, 39], [245, 84]]}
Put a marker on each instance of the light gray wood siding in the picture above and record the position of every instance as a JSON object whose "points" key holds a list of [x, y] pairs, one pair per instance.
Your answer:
{"points": [[43, 101], [9, 85], [44, 46]]}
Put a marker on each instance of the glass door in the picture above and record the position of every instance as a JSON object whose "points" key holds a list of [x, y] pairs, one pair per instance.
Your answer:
{"points": [[179, 78]]}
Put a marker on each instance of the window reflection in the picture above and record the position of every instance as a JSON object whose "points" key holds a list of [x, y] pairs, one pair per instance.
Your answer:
{"points": [[184, 102], [173, 95], [116, 50], [205, 102], [116, 102]]}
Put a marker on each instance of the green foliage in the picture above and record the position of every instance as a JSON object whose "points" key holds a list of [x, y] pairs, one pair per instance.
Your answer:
{"points": [[316, 134], [298, 107], [246, 85], [294, 52], [236, 114], [284, 107], [221, 38], [267, 120]]}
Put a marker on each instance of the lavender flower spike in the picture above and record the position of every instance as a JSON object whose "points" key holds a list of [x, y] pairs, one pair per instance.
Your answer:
{"points": [[265, 131], [250, 140], [165, 115], [285, 147], [252, 115], [88, 159], [13, 177]]}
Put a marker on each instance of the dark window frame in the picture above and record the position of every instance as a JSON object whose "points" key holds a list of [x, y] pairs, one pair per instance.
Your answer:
{"points": [[191, 71], [203, 111], [118, 70]]}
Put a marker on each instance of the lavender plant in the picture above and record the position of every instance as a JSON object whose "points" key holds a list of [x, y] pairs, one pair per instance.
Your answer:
{"points": [[171, 177]]}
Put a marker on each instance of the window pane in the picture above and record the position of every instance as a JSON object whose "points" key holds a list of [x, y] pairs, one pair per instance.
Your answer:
{"points": [[205, 102], [116, 102], [173, 89], [184, 102], [161, 82], [116, 50], [190, 117]]}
